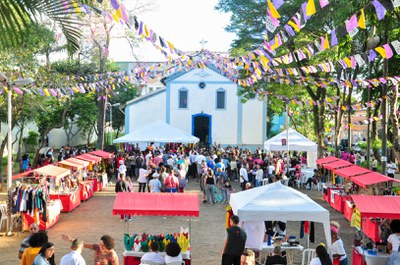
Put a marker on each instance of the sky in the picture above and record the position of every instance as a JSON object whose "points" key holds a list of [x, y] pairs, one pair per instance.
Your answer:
{"points": [[184, 23]]}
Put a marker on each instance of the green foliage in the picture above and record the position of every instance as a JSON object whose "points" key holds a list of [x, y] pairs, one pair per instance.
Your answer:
{"points": [[32, 138]]}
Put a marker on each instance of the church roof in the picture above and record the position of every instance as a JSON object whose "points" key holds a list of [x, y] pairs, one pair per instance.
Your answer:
{"points": [[147, 96]]}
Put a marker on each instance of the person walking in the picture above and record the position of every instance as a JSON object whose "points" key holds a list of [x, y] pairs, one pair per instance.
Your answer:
{"points": [[209, 183], [337, 249], [234, 243], [75, 256]]}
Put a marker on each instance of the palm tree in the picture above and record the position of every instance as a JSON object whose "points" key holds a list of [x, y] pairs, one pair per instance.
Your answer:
{"points": [[15, 15]]}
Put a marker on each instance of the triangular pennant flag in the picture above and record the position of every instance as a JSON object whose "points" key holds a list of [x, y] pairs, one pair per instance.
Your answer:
{"points": [[326, 42], [289, 30], [277, 3], [381, 51], [334, 40], [304, 10], [274, 12], [389, 52], [361, 21], [323, 3], [380, 9], [351, 23], [310, 9], [296, 28]]}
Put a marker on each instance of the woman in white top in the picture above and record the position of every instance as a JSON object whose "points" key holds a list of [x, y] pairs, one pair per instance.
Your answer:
{"points": [[394, 243], [338, 250], [259, 175], [322, 257], [142, 179]]}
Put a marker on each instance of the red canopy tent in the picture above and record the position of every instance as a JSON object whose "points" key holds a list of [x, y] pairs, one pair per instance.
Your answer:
{"points": [[326, 160], [352, 171], [370, 179], [378, 206], [337, 164], [163, 204], [78, 161], [102, 154], [90, 158], [67, 163]]}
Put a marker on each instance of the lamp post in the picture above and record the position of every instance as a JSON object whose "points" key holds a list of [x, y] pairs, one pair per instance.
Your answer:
{"points": [[111, 131], [4, 80]]}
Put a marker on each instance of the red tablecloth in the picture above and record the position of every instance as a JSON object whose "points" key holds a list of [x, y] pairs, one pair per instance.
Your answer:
{"points": [[69, 201], [357, 258], [97, 185], [53, 215], [347, 211], [370, 229], [86, 190], [339, 202]]}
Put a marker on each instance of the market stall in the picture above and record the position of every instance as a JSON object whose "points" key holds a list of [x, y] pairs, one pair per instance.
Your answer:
{"points": [[333, 191], [106, 156], [371, 211], [63, 187], [275, 202], [85, 186], [326, 160], [93, 174], [155, 204], [33, 187]]}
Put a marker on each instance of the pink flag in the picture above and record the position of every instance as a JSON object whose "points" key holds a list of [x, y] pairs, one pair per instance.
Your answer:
{"points": [[323, 3], [388, 50], [352, 23]]}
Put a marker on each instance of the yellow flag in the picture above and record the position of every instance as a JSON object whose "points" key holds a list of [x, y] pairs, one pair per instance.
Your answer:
{"points": [[5, 89], [272, 9], [119, 12], [381, 51], [361, 21], [310, 9], [326, 43], [294, 26], [46, 92], [347, 61]]}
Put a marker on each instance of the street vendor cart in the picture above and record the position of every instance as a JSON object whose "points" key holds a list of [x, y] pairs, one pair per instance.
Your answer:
{"points": [[155, 204]]}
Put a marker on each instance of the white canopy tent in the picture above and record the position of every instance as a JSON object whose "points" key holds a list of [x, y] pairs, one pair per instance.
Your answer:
{"points": [[296, 141], [277, 202], [157, 132]]}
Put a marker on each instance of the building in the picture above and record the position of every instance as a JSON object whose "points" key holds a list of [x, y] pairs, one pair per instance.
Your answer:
{"points": [[204, 103]]}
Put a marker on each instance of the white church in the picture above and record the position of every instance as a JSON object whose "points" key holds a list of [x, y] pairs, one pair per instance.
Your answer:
{"points": [[205, 104]]}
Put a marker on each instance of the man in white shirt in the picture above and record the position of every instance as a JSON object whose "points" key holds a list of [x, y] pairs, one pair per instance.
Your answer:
{"points": [[244, 178], [122, 169], [153, 255], [75, 256]]}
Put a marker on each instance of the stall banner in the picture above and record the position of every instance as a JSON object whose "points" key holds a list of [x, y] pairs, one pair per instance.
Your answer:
{"points": [[357, 221]]}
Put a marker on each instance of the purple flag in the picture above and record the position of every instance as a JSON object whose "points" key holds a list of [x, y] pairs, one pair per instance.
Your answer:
{"points": [[380, 9], [352, 23], [277, 3], [304, 8], [372, 55], [388, 50], [289, 30], [323, 3], [115, 4], [334, 40]]}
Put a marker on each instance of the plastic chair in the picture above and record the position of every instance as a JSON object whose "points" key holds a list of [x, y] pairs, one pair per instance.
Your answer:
{"points": [[308, 255], [3, 213]]}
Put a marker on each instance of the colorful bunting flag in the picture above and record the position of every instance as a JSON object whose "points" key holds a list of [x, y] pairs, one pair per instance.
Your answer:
{"points": [[380, 9], [361, 21], [272, 9], [310, 9]]}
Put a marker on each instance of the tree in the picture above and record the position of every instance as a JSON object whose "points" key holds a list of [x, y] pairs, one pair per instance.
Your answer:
{"points": [[15, 15]]}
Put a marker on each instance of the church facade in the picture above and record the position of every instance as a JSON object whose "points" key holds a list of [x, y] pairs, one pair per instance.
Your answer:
{"points": [[205, 104]]}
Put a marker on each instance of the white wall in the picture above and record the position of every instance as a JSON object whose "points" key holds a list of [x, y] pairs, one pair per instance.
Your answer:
{"points": [[146, 111], [253, 123], [224, 122]]}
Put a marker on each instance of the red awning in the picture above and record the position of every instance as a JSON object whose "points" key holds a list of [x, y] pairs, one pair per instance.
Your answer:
{"points": [[164, 204], [378, 206], [370, 179], [337, 164], [69, 164], [22, 175], [90, 158], [352, 171], [78, 161], [52, 171], [326, 160], [102, 154]]}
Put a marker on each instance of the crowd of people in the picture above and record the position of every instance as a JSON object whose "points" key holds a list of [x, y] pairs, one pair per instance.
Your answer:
{"points": [[169, 168]]}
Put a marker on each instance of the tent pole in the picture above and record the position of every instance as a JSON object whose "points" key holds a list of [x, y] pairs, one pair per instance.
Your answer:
{"points": [[190, 237]]}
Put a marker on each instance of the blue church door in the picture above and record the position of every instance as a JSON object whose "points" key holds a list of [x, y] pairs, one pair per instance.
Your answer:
{"points": [[201, 128]]}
